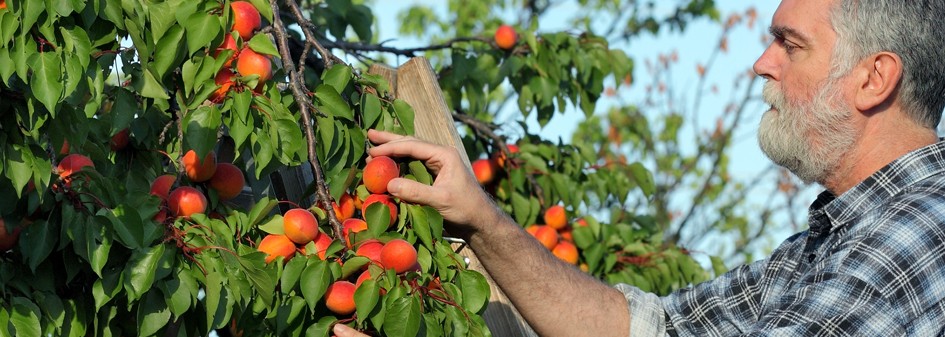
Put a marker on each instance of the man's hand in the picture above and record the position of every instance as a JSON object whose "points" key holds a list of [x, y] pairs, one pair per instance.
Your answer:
{"points": [[342, 330], [455, 192]]}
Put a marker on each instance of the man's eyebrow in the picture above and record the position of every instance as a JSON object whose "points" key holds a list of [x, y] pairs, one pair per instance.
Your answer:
{"points": [[788, 32]]}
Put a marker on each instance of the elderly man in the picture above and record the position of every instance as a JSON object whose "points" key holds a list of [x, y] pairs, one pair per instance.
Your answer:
{"points": [[856, 88]]}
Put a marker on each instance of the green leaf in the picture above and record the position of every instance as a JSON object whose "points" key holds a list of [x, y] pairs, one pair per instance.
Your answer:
{"points": [[169, 54], [149, 86], [201, 28], [261, 211], [475, 290], [262, 278], [37, 242], [643, 178], [200, 129], [338, 77], [321, 328], [291, 274], [370, 109], [46, 81], [260, 43], [366, 297], [153, 314], [419, 171], [25, 318], [105, 288], [421, 227], [378, 218], [405, 115], [182, 290], [139, 272], [77, 43], [403, 317], [332, 103], [129, 227], [315, 280]]}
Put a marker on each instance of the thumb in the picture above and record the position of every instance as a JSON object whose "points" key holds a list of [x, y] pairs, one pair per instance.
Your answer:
{"points": [[412, 191], [342, 330]]}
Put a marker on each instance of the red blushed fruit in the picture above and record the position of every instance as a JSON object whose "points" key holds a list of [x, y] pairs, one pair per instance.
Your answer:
{"points": [[366, 275], [379, 172], [252, 63], [229, 43], [161, 186], [556, 217], [500, 157], [339, 297], [505, 37], [275, 246], [224, 80], [566, 251], [547, 236], [3, 4], [65, 147], [352, 225], [344, 208], [399, 255], [300, 226], [383, 199], [322, 241], [581, 222], [246, 19], [8, 239], [72, 163], [119, 141], [199, 171], [228, 181], [371, 249], [484, 170], [185, 201]]}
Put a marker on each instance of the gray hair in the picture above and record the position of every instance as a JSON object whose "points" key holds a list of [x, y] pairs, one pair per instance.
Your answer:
{"points": [[911, 29]]}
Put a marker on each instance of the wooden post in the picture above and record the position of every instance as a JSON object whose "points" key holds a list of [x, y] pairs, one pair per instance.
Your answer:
{"points": [[416, 83]]}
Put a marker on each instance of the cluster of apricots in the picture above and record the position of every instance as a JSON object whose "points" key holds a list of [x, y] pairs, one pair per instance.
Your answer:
{"points": [[555, 234], [249, 63], [301, 227], [488, 170], [225, 179]]}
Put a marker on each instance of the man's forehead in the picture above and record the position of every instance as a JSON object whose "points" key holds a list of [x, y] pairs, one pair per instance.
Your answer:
{"points": [[802, 20]]}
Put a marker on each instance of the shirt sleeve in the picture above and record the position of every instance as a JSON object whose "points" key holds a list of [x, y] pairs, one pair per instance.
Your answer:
{"points": [[646, 312]]}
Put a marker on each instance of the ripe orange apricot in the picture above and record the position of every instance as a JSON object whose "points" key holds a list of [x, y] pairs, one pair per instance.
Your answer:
{"points": [[365, 275], [566, 233], [72, 163], [344, 208], [161, 186], [246, 18], [370, 249], [500, 156], [224, 79], [3, 4], [580, 222], [228, 181], [185, 201], [275, 245], [398, 254], [300, 226], [252, 63], [383, 199], [566, 251], [202, 170], [352, 225], [555, 217], [546, 235], [229, 43], [339, 297], [321, 242], [484, 170], [380, 171], [505, 37], [8, 239], [119, 140]]}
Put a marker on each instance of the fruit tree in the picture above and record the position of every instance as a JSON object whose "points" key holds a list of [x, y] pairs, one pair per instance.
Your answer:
{"points": [[139, 142]]}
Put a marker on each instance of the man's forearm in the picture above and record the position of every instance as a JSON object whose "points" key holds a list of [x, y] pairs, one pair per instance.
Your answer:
{"points": [[554, 297]]}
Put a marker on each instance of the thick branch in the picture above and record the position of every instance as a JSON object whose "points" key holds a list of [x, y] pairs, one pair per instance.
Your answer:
{"points": [[301, 97]]}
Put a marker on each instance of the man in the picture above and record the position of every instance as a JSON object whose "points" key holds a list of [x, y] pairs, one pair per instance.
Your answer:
{"points": [[856, 88]]}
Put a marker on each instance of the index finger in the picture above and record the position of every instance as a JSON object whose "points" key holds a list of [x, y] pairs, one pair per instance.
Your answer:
{"points": [[394, 145]]}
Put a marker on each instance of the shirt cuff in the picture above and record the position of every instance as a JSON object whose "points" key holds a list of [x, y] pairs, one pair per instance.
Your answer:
{"points": [[647, 317]]}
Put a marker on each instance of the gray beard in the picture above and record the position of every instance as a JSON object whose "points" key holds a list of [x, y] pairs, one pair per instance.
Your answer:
{"points": [[808, 139]]}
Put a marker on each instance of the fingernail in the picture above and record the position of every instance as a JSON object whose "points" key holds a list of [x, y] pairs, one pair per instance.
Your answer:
{"points": [[341, 330], [393, 186]]}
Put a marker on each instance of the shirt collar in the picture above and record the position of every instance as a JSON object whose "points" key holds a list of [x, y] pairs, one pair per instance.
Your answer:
{"points": [[877, 188]]}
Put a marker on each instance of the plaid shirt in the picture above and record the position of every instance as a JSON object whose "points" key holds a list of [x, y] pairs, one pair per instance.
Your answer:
{"points": [[871, 264]]}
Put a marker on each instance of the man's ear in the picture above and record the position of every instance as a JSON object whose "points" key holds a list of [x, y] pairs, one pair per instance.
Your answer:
{"points": [[880, 74]]}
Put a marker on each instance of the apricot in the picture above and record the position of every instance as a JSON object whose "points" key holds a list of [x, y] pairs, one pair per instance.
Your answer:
{"points": [[581, 222], [370, 249], [365, 275], [119, 140], [224, 81], [383, 199], [246, 18], [321, 242], [566, 251], [484, 170], [185, 201], [3, 4], [8, 239], [300, 226], [398, 254], [546, 235], [567, 234], [556, 217], [73, 163], [202, 170], [228, 181], [500, 157], [275, 245], [380, 171], [352, 225], [161, 186], [252, 63], [65, 147], [505, 37], [229, 43], [339, 297], [344, 208]]}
